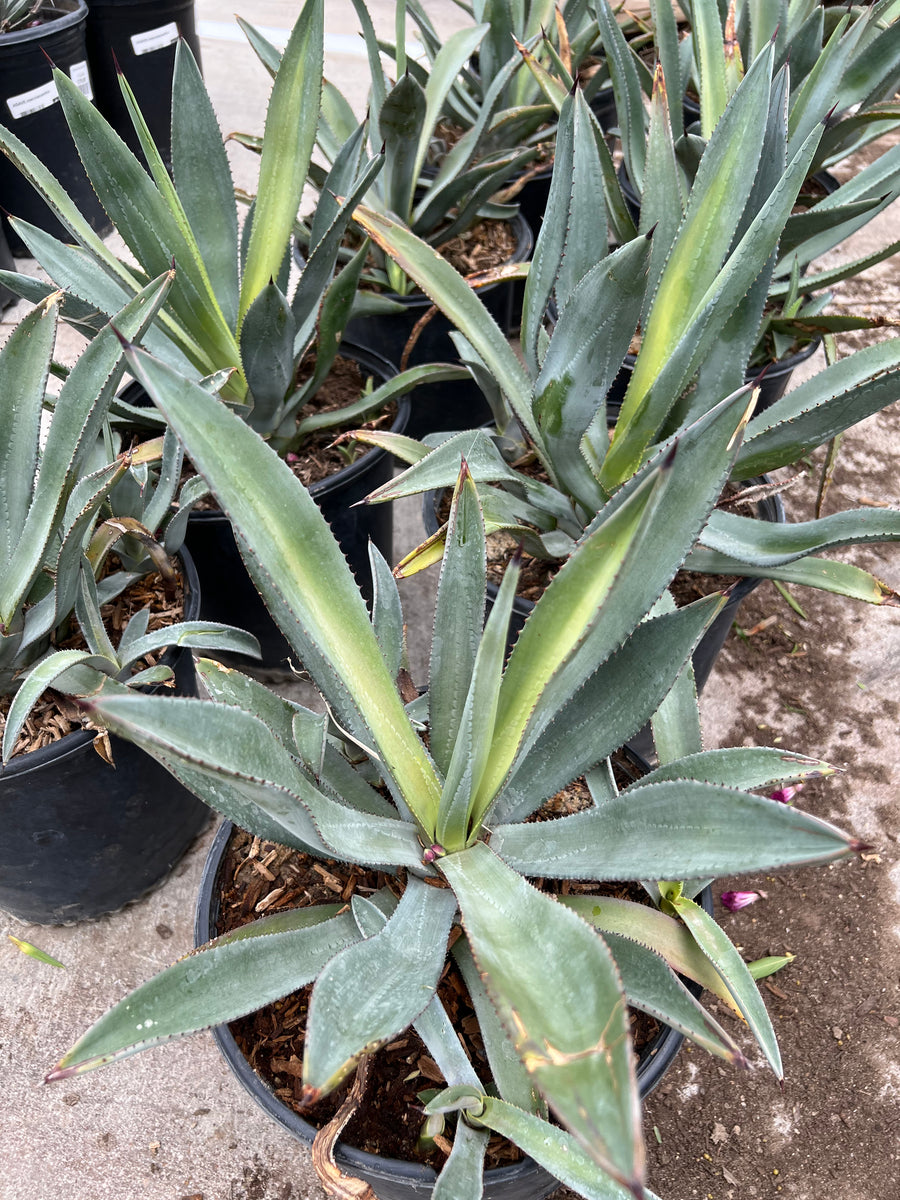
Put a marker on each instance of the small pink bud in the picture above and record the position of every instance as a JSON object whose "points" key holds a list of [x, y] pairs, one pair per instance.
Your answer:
{"points": [[786, 794], [433, 852], [291, 457], [734, 901]]}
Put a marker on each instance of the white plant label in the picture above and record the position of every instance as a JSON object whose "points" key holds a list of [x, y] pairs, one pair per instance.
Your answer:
{"points": [[81, 77], [155, 39], [27, 103]]}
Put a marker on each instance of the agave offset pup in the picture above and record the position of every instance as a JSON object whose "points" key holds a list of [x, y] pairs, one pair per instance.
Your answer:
{"points": [[600, 654], [228, 315], [697, 292], [67, 503]]}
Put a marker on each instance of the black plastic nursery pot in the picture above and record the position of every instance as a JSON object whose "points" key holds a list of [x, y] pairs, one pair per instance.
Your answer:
{"points": [[394, 1179], [228, 593], [138, 37], [81, 838], [29, 107], [440, 406]]}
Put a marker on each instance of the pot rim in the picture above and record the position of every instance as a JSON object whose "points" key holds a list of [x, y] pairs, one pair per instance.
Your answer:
{"points": [[57, 23]]}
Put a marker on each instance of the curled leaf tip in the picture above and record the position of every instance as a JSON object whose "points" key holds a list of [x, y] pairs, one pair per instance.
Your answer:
{"points": [[858, 847], [308, 1095]]}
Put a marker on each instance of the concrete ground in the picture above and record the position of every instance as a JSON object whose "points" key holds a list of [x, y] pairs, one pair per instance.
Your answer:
{"points": [[172, 1124]]}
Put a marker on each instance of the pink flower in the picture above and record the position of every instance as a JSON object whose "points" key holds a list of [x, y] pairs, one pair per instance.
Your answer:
{"points": [[786, 794], [734, 901]]}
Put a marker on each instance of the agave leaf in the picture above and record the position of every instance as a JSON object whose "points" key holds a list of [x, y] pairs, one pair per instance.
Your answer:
{"points": [[461, 1176], [662, 199], [720, 192], [818, 409], [76, 421], [299, 731], [24, 368], [635, 427], [454, 297], [662, 934], [667, 38], [459, 818], [205, 635], [450, 59], [551, 1148], [94, 294], [551, 241], [556, 628], [816, 94], [376, 71], [507, 1070], [740, 767], [587, 235], [400, 121], [842, 578], [714, 942], [287, 146], [374, 989], [651, 986], [707, 28], [152, 223], [627, 89], [387, 614], [775, 545], [269, 779], [307, 583], [724, 367], [596, 721], [433, 1026], [459, 613], [585, 354], [268, 55], [338, 182], [676, 723], [323, 256], [44, 675], [267, 349], [563, 1009], [371, 402], [652, 832], [230, 977], [543, 669], [439, 468]]}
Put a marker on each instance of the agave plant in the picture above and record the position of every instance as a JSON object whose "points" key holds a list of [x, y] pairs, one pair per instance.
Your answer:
{"points": [[518, 114], [454, 814], [62, 513], [697, 290], [405, 120], [855, 70], [227, 315]]}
